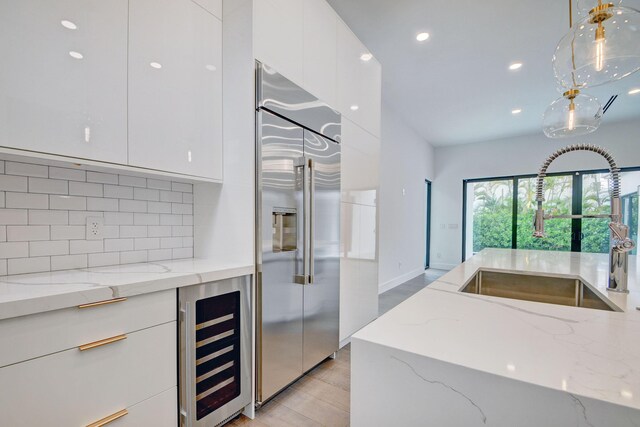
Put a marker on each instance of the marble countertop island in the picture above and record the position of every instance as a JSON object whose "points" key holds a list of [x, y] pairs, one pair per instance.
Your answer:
{"points": [[35, 293], [447, 358]]}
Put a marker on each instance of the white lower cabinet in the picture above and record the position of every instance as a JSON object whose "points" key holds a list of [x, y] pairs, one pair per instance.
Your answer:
{"points": [[135, 371], [158, 411]]}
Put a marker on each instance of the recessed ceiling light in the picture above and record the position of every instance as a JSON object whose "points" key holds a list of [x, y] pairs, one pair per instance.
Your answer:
{"points": [[155, 65], [515, 66], [516, 111], [422, 37], [366, 57], [75, 55], [354, 108], [634, 91], [68, 24], [210, 67]]}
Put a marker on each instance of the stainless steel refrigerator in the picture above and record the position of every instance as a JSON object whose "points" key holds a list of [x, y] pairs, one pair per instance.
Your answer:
{"points": [[297, 232]]}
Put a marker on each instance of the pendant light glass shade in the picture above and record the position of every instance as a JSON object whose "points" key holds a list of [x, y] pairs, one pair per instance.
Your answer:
{"points": [[601, 48], [573, 114], [584, 6]]}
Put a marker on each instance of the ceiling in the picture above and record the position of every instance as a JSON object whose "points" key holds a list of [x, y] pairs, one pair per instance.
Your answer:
{"points": [[456, 87]]}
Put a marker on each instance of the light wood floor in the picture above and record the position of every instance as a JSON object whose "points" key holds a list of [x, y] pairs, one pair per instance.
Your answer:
{"points": [[321, 398]]}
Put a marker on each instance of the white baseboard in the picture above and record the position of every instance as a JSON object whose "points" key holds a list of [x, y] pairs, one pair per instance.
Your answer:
{"points": [[399, 280], [443, 266], [345, 342]]}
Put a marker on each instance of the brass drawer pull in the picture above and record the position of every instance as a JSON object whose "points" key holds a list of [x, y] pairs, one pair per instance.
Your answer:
{"points": [[110, 418], [102, 342], [100, 303]]}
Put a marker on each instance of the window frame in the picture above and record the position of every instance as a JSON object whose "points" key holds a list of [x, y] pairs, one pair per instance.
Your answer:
{"points": [[576, 200]]}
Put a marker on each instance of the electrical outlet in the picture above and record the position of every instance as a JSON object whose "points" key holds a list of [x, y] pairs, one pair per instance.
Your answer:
{"points": [[94, 228]]}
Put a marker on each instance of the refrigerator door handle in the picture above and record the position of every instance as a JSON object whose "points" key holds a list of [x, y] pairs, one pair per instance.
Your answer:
{"points": [[311, 216], [301, 277]]}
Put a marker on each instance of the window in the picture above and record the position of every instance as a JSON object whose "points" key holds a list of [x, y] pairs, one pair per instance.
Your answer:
{"points": [[498, 212]]}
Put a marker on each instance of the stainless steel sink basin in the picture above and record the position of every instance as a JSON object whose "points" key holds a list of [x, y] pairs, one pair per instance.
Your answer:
{"points": [[547, 289]]}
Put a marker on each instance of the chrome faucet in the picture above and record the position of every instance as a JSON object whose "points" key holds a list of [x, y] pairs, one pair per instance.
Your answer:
{"points": [[621, 244]]}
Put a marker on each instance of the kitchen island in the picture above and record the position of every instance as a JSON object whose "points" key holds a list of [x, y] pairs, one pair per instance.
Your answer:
{"points": [[449, 358]]}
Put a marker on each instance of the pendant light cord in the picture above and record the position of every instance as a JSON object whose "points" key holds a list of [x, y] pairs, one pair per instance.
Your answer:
{"points": [[573, 50]]}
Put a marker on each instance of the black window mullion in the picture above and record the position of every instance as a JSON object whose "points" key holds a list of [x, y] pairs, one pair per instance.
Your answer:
{"points": [[514, 215], [576, 209]]}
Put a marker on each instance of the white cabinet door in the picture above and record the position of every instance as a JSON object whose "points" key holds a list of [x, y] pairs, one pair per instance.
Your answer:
{"points": [[63, 78], [359, 82], [175, 88], [320, 38], [278, 36], [360, 165]]}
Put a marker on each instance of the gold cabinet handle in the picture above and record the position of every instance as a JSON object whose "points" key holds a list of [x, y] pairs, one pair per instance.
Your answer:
{"points": [[110, 418], [102, 342], [100, 303]]}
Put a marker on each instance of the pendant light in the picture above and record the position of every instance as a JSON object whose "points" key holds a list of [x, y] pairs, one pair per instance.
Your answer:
{"points": [[574, 113], [603, 47]]}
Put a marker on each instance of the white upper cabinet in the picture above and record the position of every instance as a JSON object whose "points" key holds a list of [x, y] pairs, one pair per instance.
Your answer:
{"points": [[278, 36], [360, 165], [359, 82], [175, 88], [63, 77], [320, 57], [213, 6]]}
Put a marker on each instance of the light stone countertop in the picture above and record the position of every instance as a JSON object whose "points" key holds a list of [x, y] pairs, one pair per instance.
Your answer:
{"points": [[581, 351], [26, 294]]}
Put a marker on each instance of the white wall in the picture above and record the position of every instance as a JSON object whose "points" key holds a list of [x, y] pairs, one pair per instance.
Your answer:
{"points": [[406, 160], [513, 156]]}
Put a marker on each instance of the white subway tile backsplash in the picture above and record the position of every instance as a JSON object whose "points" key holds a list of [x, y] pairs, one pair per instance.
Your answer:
{"points": [[146, 219], [68, 174], [13, 183], [159, 231], [85, 189], [118, 245], [146, 243], [26, 200], [118, 218], [158, 184], [14, 250], [170, 196], [48, 186], [29, 265], [167, 219], [182, 187], [85, 246], [133, 257], [68, 232], [46, 217], [132, 181], [71, 203], [160, 254], [80, 217], [159, 207], [68, 262], [27, 233], [107, 258], [180, 253], [133, 231], [146, 194], [26, 169], [13, 216], [44, 211], [102, 178], [133, 205], [181, 209], [171, 242], [101, 204], [49, 247], [118, 192]]}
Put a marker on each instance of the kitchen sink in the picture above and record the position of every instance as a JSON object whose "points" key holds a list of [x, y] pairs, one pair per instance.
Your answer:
{"points": [[547, 289]]}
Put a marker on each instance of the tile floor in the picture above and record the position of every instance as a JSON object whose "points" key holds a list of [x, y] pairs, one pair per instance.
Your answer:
{"points": [[321, 398]]}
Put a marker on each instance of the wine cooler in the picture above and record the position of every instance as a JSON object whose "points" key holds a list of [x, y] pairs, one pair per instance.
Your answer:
{"points": [[215, 352]]}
